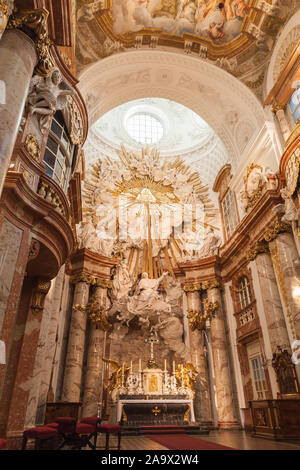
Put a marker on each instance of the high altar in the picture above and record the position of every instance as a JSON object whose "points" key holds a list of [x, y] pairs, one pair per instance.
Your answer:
{"points": [[145, 303]]}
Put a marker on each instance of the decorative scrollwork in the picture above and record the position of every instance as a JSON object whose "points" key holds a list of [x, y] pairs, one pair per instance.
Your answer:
{"points": [[97, 314], [36, 22], [32, 147], [274, 229], [259, 247]]}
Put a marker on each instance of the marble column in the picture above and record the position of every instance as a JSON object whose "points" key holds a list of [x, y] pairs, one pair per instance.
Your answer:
{"points": [[93, 370], [284, 127], [286, 265], [202, 396], [202, 402], [44, 359], [272, 304], [224, 392], [76, 344], [17, 61]]}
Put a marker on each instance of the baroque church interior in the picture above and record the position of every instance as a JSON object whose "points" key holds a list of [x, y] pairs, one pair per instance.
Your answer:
{"points": [[149, 224]]}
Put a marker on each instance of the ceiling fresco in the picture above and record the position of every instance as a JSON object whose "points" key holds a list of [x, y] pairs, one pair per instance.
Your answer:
{"points": [[236, 35]]}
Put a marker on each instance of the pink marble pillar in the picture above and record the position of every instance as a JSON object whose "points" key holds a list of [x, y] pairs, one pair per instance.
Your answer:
{"points": [[202, 396], [76, 343], [25, 348], [17, 61], [285, 260], [224, 391], [272, 304], [93, 370]]}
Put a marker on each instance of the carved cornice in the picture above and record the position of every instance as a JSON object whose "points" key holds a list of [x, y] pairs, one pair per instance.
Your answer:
{"points": [[40, 291], [274, 229], [34, 22]]}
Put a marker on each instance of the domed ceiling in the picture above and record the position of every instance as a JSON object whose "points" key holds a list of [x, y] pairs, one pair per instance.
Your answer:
{"points": [[184, 134], [236, 35]]}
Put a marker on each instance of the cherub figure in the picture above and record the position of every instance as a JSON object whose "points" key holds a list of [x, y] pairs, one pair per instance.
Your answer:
{"points": [[47, 95]]}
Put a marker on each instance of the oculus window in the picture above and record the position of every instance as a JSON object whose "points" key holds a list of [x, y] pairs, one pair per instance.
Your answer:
{"points": [[144, 128]]}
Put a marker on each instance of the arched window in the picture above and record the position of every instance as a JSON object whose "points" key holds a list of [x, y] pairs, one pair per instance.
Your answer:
{"points": [[229, 213], [245, 293], [59, 152], [294, 105]]}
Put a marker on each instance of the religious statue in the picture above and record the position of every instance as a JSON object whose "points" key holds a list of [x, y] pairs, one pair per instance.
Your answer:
{"points": [[122, 282], [117, 379], [211, 245], [47, 95], [86, 12], [187, 375], [256, 180], [290, 210]]}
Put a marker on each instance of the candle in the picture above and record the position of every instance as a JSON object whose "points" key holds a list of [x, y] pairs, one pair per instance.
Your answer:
{"points": [[140, 364], [131, 366], [173, 366], [165, 364]]}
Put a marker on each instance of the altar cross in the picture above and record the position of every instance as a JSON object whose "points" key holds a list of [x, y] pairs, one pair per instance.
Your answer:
{"points": [[152, 340]]}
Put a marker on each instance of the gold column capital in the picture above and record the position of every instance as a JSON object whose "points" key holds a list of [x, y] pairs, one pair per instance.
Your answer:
{"points": [[192, 286], [274, 229], [36, 22], [202, 285], [258, 248]]}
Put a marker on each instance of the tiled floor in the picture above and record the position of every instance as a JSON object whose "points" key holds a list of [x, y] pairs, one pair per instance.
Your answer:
{"points": [[236, 439]]}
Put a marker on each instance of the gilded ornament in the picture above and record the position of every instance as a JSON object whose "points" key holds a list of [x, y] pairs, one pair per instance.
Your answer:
{"points": [[32, 147], [80, 307], [259, 247], [274, 229], [292, 170], [281, 282], [97, 314], [82, 277], [187, 376], [3, 17], [197, 320], [192, 287], [36, 21]]}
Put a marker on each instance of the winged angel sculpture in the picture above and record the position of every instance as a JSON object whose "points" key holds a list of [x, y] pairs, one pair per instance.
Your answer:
{"points": [[47, 95]]}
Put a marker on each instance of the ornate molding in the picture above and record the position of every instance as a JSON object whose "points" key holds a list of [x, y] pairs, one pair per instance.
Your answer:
{"points": [[97, 314], [281, 282], [275, 228], [36, 22], [197, 320], [32, 147], [80, 307], [3, 16], [40, 291], [292, 168], [259, 247]]}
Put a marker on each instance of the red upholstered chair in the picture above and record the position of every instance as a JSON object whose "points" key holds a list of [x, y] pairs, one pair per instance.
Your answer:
{"points": [[106, 429], [75, 434], [3, 443], [39, 433]]}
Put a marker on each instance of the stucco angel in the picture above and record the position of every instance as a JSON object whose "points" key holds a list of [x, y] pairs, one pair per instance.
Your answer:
{"points": [[47, 95]]}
